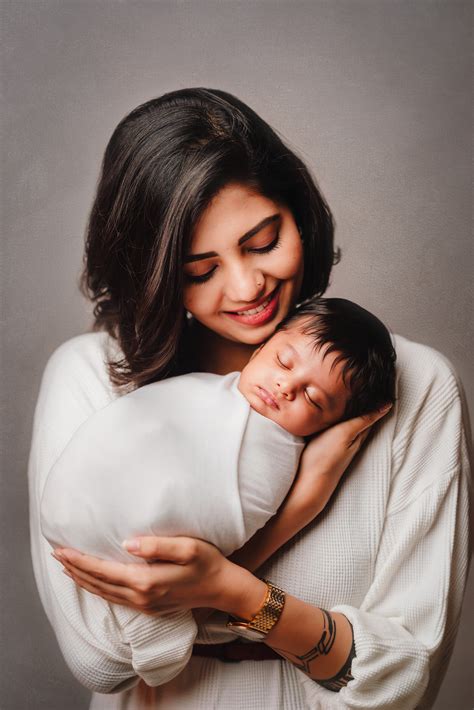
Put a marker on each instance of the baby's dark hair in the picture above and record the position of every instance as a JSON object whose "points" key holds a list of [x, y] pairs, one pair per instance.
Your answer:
{"points": [[364, 345]]}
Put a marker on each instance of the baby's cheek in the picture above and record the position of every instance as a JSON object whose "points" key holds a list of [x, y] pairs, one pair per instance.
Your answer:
{"points": [[298, 422], [311, 424]]}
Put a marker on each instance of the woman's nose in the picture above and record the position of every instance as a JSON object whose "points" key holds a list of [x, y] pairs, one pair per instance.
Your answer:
{"points": [[245, 285]]}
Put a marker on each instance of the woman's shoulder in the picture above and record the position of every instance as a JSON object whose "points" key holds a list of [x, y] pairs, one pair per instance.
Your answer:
{"points": [[427, 423], [82, 352], [427, 385], [79, 367], [420, 366], [86, 347]]}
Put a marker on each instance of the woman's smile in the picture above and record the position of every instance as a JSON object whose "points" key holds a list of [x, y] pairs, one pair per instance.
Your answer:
{"points": [[259, 313]]}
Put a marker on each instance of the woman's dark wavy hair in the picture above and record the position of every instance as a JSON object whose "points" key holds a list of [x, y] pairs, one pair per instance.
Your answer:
{"points": [[164, 163]]}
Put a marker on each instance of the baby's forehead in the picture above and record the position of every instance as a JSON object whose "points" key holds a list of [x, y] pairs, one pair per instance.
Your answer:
{"points": [[297, 335], [298, 328], [318, 353]]}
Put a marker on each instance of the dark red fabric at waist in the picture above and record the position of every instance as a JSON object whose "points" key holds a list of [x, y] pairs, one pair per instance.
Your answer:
{"points": [[236, 651]]}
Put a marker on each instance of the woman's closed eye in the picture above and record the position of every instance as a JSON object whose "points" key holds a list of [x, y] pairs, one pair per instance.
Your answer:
{"points": [[270, 246], [264, 249], [200, 278]]}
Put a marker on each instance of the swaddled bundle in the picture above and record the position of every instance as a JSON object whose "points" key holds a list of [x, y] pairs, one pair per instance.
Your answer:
{"points": [[184, 456]]}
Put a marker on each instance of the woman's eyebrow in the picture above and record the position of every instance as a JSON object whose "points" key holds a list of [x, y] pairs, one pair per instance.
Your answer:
{"points": [[245, 237]]}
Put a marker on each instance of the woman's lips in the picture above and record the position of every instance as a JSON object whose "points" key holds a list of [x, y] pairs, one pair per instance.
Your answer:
{"points": [[264, 316], [266, 397]]}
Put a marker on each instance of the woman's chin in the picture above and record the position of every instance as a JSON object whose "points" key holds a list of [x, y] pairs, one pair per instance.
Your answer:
{"points": [[252, 335]]}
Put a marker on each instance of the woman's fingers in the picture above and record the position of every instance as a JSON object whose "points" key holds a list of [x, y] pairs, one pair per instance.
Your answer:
{"points": [[373, 417], [104, 570], [144, 594], [168, 554], [83, 578], [186, 573], [180, 550], [98, 591], [359, 427]]}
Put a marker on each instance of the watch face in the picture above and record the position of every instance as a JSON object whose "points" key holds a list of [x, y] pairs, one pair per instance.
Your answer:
{"points": [[245, 632]]}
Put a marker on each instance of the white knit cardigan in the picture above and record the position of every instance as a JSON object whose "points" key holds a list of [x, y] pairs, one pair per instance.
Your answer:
{"points": [[390, 552]]}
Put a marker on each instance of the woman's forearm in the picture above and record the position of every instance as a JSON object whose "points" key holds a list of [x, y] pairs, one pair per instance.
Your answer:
{"points": [[317, 642], [271, 537], [298, 510]]}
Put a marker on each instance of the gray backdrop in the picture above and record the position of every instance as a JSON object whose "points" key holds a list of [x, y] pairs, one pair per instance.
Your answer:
{"points": [[375, 95]]}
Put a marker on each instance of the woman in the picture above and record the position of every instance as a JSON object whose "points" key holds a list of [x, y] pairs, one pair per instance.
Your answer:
{"points": [[202, 209]]}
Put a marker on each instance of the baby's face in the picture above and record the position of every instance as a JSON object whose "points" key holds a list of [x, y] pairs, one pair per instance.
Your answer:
{"points": [[293, 384]]}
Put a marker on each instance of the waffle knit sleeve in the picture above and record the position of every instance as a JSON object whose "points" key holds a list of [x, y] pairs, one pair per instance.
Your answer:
{"points": [[107, 647], [405, 628]]}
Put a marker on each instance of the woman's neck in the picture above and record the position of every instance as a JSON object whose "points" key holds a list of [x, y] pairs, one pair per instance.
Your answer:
{"points": [[213, 353]]}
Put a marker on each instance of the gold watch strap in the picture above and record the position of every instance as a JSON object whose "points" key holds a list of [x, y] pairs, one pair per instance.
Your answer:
{"points": [[269, 613]]}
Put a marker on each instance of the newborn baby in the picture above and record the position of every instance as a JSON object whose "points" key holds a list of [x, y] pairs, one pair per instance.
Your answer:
{"points": [[211, 456]]}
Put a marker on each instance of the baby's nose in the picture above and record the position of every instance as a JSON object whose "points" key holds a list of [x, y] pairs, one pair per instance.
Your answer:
{"points": [[285, 389]]}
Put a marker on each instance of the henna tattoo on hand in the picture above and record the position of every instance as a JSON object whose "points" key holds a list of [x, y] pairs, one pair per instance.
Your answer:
{"points": [[322, 648]]}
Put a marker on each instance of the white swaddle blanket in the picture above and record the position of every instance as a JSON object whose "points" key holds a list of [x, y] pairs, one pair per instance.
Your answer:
{"points": [[184, 456]]}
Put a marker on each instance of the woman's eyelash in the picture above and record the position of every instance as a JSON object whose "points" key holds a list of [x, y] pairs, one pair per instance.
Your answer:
{"points": [[268, 247], [202, 278]]}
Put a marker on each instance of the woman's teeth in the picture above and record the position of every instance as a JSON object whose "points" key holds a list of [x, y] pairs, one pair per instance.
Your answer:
{"points": [[252, 311]]}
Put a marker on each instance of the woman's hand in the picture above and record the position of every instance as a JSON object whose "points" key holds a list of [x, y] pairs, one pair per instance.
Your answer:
{"points": [[327, 456], [185, 573], [322, 464]]}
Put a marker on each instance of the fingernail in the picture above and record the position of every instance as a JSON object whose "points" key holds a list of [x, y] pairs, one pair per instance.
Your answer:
{"points": [[385, 408], [131, 545]]}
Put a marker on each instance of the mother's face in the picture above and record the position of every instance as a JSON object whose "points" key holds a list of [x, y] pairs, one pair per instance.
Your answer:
{"points": [[245, 265]]}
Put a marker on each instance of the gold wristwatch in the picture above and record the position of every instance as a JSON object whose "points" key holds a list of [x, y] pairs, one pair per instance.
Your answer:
{"points": [[266, 617]]}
